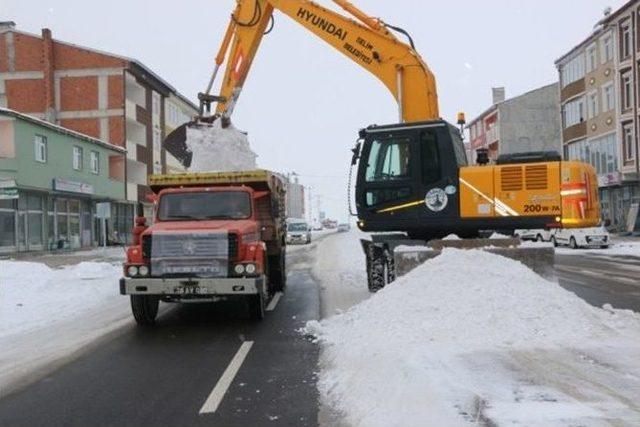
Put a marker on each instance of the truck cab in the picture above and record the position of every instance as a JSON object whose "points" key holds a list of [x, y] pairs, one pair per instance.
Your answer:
{"points": [[213, 236]]}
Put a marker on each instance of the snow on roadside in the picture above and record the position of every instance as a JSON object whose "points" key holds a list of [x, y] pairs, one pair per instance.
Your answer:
{"points": [[34, 296], [470, 335], [340, 269]]}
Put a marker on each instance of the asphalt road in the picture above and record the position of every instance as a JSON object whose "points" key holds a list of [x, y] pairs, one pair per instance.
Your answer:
{"points": [[601, 279], [201, 365]]}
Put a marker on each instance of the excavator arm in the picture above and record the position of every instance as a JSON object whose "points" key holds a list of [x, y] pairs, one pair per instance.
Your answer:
{"points": [[369, 43]]}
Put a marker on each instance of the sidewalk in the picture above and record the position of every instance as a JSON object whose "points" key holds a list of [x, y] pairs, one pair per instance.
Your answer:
{"points": [[112, 255]]}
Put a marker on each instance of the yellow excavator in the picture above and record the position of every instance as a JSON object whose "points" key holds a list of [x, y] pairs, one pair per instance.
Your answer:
{"points": [[412, 176]]}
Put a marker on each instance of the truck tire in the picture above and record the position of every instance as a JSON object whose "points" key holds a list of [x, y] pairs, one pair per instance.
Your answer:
{"points": [[256, 306], [145, 309], [277, 272], [380, 268]]}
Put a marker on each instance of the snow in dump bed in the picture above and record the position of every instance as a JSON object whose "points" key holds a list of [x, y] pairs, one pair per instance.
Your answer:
{"points": [[219, 149], [470, 336], [33, 295]]}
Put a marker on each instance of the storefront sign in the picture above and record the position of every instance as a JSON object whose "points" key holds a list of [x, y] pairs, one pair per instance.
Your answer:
{"points": [[613, 178], [8, 193], [60, 184], [8, 189]]}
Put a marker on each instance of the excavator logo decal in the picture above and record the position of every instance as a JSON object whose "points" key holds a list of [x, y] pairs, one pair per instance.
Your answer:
{"points": [[322, 23]]}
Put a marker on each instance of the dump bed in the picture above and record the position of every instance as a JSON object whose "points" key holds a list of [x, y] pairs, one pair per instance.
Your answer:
{"points": [[259, 180]]}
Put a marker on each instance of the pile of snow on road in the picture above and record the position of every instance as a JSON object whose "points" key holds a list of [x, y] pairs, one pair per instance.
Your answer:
{"points": [[34, 296], [385, 356], [219, 149]]}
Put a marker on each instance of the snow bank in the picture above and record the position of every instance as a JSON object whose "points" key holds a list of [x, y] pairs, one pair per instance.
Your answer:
{"points": [[423, 350], [33, 295], [219, 149]]}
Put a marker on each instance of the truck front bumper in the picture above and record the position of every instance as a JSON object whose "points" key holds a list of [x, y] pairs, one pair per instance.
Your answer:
{"points": [[193, 286]]}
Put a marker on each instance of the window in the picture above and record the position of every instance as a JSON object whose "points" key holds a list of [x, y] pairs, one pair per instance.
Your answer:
{"points": [[574, 112], [625, 40], [606, 52], [592, 59], [592, 104], [40, 145], [608, 98], [95, 162], [628, 143], [388, 160], [627, 91], [77, 158], [430, 157], [573, 70], [211, 205], [601, 153]]}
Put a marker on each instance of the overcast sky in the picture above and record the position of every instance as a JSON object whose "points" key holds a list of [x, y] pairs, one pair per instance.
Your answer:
{"points": [[304, 102]]}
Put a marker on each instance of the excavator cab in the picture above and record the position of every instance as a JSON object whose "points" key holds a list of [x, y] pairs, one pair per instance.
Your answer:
{"points": [[408, 178]]}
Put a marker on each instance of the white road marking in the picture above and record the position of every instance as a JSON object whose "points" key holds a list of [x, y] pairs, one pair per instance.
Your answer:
{"points": [[214, 399], [274, 301]]}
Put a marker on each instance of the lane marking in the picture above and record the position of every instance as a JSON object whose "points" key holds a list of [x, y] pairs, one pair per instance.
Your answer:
{"points": [[274, 301], [214, 399]]}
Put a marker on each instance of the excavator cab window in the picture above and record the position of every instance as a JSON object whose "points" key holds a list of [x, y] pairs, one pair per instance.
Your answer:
{"points": [[389, 160]]}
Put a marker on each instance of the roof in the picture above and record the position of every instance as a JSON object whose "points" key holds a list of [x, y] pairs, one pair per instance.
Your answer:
{"points": [[601, 26], [496, 105], [60, 129], [134, 61]]}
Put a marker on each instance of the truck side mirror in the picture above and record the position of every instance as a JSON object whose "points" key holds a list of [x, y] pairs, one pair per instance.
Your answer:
{"points": [[356, 153]]}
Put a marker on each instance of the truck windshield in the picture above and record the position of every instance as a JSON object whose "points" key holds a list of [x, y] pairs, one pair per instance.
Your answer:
{"points": [[204, 205], [298, 226]]}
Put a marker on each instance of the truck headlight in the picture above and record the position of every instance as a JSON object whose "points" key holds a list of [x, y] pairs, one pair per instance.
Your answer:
{"points": [[143, 270], [132, 270], [250, 268], [238, 269]]}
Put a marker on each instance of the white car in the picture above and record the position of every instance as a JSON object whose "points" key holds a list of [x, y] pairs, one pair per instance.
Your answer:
{"points": [[592, 237], [535, 235], [298, 232]]}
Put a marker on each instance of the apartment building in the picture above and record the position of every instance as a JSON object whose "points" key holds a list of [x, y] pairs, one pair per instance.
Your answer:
{"points": [[598, 97], [51, 179], [103, 95], [525, 123], [295, 198]]}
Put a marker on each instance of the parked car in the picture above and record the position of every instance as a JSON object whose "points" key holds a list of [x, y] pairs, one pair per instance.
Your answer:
{"points": [[592, 237], [343, 227], [298, 232], [534, 235]]}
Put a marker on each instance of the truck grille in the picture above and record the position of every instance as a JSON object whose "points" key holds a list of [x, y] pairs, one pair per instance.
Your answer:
{"points": [[192, 254]]}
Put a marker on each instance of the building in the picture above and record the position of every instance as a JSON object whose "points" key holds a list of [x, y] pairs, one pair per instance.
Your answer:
{"points": [[295, 198], [599, 102], [50, 181], [105, 96], [529, 122]]}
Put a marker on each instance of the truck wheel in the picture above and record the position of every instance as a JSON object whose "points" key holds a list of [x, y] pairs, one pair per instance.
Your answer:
{"points": [[256, 306], [277, 272], [380, 268], [145, 309]]}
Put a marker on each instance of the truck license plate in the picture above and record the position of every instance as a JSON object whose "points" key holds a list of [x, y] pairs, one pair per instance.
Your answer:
{"points": [[190, 290]]}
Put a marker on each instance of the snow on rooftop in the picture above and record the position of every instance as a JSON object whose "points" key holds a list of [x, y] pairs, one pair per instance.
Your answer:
{"points": [[445, 338], [218, 149]]}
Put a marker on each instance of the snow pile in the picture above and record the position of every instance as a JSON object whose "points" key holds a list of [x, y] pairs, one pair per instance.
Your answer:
{"points": [[219, 149], [33, 295], [429, 349]]}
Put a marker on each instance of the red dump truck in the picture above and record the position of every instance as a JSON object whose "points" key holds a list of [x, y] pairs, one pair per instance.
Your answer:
{"points": [[213, 236]]}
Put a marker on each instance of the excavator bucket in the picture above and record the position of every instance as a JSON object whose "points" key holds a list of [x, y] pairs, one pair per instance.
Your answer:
{"points": [[176, 144]]}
